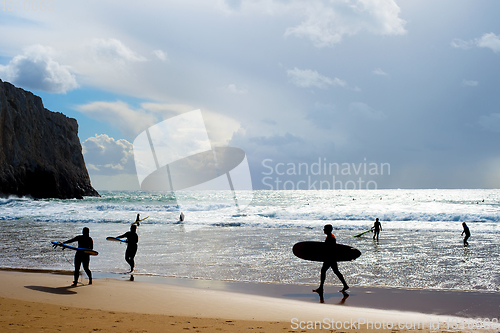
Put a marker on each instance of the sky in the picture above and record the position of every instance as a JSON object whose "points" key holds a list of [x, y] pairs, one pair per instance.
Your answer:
{"points": [[338, 94]]}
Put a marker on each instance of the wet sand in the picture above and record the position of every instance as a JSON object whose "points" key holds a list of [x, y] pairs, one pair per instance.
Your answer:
{"points": [[46, 302], [434, 302]]}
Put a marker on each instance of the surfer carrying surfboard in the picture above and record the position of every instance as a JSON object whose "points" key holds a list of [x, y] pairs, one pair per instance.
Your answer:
{"points": [[132, 240], [81, 258], [331, 242]]}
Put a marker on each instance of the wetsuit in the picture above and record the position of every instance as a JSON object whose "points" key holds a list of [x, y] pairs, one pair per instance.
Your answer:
{"points": [[332, 242], [81, 258], [132, 240], [467, 234], [377, 226]]}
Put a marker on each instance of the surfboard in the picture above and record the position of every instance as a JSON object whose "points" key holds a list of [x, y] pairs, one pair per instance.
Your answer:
{"points": [[116, 239], [137, 222], [364, 232], [65, 246], [320, 251]]}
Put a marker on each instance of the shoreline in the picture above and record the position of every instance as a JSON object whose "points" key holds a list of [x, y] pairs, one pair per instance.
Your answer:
{"points": [[433, 302], [467, 304], [46, 302]]}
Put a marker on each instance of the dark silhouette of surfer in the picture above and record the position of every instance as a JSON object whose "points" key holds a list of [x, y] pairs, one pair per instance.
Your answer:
{"points": [[181, 217], [132, 240], [377, 227], [331, 242], [467, 233], [82, 259]]}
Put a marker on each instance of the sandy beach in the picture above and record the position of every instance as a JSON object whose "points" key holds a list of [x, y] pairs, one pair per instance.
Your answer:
{"points": [[35, 302]]}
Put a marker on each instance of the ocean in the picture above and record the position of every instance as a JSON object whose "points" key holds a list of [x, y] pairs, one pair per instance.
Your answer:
{"points": [[420, 246]]}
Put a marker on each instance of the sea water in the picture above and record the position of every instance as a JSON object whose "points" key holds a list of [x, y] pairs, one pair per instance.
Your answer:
{"points": [[420, 245]]}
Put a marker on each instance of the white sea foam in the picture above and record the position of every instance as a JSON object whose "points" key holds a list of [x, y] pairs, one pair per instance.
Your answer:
{"points": [[420, 245]]}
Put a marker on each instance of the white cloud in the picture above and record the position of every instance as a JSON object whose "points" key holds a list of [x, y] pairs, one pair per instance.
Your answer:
{"points": [[107, 156], [161, 55], [306, 78], [220, 127], [469, 83], [461, 44], [491, 41], [233, 89], [36, 69], [112, 50], [327, 23], [102, 63], [167, 110], [131, 121], [379, 71], [119, 114]]}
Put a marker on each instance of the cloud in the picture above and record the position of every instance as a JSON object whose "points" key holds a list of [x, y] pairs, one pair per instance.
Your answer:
{"points": [[120, 115], [277, 140], [161, 55], [107, 156], [306, 78], [36, 69], [323, 116], [132, 121], [489, 40], [469, 83], [461, 44], [233, 89], [365, 111], [220, 127], [490, 122], [379, 71], [112, 50], [233, 4], [326, 24], [488, 169], [345, 123], [99, 62]]}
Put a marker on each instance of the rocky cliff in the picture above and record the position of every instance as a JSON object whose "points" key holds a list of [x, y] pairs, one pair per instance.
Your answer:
{"points": [[40, 152]]}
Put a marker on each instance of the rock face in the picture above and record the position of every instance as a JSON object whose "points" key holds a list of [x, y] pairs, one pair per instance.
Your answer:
{"points": [[40, 152]]}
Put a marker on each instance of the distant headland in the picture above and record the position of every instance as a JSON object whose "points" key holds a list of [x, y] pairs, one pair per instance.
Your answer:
{"points": [[40, 152]]}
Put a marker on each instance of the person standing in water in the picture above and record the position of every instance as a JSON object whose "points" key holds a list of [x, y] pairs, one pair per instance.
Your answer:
{"points": [[132, 240], [331, 243], [467, 233], [81, 258], [377, 227]]}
